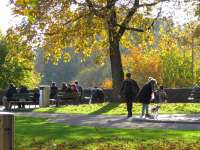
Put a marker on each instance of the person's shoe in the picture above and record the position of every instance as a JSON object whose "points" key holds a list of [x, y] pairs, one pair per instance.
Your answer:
{"points": [[148, 116], [142, 116], [129, 116]]}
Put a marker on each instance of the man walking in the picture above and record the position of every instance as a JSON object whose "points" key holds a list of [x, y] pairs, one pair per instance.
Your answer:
{"points": [[129, 92]]}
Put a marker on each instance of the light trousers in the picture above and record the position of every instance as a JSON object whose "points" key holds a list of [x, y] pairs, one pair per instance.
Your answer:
{"points": [[145, 108]]}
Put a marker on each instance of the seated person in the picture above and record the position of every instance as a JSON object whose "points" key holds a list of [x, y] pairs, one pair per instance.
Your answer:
{"points": [[160, 95], [163, 95], [79, 88], [74, 89], [9, 96], [97, 95], [23, 89], [195, 93], [36, 95], [64, 87], [68, 90], [53, 90]]}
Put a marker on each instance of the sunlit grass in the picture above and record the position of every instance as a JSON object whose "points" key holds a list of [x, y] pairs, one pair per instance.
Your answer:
{"points": [[120, 108], [32, 132]]}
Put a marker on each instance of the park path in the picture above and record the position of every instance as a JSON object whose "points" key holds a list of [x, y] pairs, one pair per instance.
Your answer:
{"points": [[176, 121]]}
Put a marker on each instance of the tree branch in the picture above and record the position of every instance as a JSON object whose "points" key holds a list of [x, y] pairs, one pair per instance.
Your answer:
{"points": [[77, 18], [152, 4], [94, 10], [111, 3], [64, 24], [153, 22], [127, 19], [131, 12], [132, 28]]}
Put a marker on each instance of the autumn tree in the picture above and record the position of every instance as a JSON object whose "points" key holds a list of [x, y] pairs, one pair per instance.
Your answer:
{"points": [[86, 26], [16, 62], [143, 65], [167, 56]]}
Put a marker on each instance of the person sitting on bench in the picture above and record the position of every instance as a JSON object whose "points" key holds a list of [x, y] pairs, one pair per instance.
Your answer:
{"points": [[53, 91], [79, 88], [97, 95], [23, 90], [9, 96], [64, 87], [74, 89], [36, 96], [160, 95]]}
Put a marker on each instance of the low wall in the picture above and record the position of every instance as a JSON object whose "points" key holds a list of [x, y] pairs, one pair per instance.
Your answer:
{"points": [[178, 95], [173, 95]]}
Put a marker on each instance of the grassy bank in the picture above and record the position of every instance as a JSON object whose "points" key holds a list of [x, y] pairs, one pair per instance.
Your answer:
{"points": [[120, 109]]}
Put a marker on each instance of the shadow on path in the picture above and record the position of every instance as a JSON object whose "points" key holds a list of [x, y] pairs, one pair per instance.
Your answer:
{"points": [[105, 108]]}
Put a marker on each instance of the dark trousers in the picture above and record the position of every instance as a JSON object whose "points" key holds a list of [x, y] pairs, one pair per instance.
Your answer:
{"points": [[129, 104], [21, 105]]}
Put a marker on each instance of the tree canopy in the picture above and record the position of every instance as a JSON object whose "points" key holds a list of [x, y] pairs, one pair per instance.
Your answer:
{"points": [[16, 62], [87, 26]]}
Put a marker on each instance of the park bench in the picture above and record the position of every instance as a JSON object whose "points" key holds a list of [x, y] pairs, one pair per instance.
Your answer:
{"points": [[22, 98], [64, 98]]}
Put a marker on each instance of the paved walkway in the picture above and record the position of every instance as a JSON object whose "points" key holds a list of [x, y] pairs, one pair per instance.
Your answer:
{"points": [[178, 121]]}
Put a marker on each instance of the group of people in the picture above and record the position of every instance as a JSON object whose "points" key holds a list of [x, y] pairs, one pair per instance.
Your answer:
{"points": [[12, 91], [73, 87], [130, 91], [97, 93]]}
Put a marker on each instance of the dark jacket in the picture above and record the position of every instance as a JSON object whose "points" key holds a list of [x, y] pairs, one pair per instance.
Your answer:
{"points": [[80, 90], [54, 91], [11, 91], [23, 89], [97, 95], [36, 96], [129, 88], [145, 93]]}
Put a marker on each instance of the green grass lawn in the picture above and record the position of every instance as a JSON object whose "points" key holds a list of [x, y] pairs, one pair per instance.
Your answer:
{"points": [[120, 109], [32, 132]]}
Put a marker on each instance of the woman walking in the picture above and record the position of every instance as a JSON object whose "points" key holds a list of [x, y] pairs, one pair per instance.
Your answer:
{"points": [[145, 95]]}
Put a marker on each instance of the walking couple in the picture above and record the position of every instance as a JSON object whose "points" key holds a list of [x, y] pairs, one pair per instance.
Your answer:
{"points": [[130, 91]]}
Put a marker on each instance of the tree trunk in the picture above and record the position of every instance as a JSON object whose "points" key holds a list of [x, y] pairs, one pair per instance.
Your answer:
{"points": [[115, 55], [116, 68]]}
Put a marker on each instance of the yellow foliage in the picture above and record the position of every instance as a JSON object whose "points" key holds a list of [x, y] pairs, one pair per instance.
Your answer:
{"points": [[67, 57], [106, 84], [20, 2], [142, 65]]}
